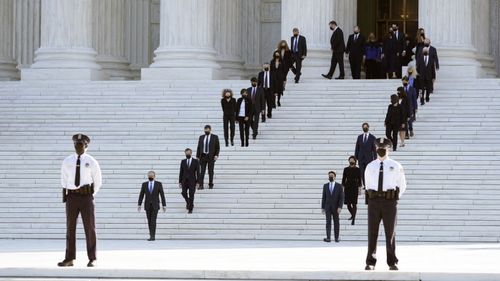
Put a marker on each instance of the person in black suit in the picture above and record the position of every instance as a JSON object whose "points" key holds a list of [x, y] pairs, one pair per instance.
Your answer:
{"points": [[257, 96], [286, 58], [365, 151], [153, 191], [243, 116], [426, 68], [338, 47], [351, 181], [189, 174], [389, 55], [208, 152], [356, 49], [400, 42], [228, 104], [266, 81], [298, 46], [277, 66], [394, 121], [331, 205]]}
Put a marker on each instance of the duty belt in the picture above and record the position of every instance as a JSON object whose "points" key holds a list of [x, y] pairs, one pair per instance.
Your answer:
{"points": [[392, 194], [87, 189]]}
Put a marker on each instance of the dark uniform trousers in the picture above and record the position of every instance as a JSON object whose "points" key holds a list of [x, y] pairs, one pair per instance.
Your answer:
{"points": [[381, 209], [204, 161], [331, 213], [188, 189], [151, 214], [75, 205]]}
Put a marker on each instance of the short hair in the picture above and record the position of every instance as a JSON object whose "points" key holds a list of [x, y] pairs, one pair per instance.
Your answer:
{"points": [[188, 149], [366, 123], [149, 172], [295, 29], [208, 127], [405, 78], [254, 79], [332, 172], [333, 22], [243, 91], [352, 157], [395, 24]]}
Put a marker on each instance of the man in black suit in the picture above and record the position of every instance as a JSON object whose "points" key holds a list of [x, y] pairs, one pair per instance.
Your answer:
{"points": [[426, 68], [338, 48], [266, 81], [257, 96], [400, 40], [365, 150], [153, 191], [208, 152], [298, 47], [356, 49], [189, 173], [243, 115], [331, 205]]}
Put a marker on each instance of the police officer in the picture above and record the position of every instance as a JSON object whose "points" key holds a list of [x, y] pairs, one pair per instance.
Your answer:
{"points": [[385, 183], [80, 179]]}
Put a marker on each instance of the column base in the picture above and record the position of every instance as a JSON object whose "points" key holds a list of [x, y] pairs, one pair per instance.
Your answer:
{"points": [[8, 70], [62, 74], [115, 68], [457, 63], [231, 69], [176, 73]]}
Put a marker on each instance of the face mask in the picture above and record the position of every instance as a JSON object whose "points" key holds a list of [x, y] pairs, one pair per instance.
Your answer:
{"points": [[266, 68], [427, 45], [244, 96], [227, 97], [207, 133], [352, 163], [151, 179], [395, 29], [381, 152], [277, 57], [356, 32], [80, 148], [405, 84], [331, 28], [365, 130], [331, 179], [254, 84], [410, 72], [188, 156], [295, 35], [394, 100]]}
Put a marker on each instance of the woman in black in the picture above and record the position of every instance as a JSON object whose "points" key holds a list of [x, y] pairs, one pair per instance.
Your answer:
{"points": [[351, 180], [394, 121], [277, 68], [286, 58], [228, 104], [405, 107], [389, 52]]}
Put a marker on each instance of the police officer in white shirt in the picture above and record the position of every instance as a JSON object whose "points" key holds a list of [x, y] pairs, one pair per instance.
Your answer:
{"points": [[385, 184], [80, 179]]}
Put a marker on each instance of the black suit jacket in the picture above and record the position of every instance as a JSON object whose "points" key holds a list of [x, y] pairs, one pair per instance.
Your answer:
{"points": [[400, 41], [394, 116], [189, 175], [248, 107], [428, 71], [152, 199], [272, 79], [337, 42], [433, 53], [356, 48], [302, 45], [365, 152], [332, 201], [259, 101], [213, 146]]}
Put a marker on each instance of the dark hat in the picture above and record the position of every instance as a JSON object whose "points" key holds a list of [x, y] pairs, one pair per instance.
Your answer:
{"points": [[383, 143], [81, 138]]}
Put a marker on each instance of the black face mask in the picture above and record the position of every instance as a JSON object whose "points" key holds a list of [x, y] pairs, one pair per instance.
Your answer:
{"points": [[381, 152], [331, 179], [227, 97], [427, 45], [254, 84], [207, 133], [405, 84], [331, 28], [295, 35], [394, 29], [410, 72], [356, 32], [80, 148], [151, 179], [352, 163], [188, 156], [394, 100], [276, 57], [266, 68], [365, 130]]}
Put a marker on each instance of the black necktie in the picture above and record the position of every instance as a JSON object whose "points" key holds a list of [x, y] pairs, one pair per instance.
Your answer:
{"points": [[253, 94], [381, 177], [206, 145], [77, 173], [265, 80]]}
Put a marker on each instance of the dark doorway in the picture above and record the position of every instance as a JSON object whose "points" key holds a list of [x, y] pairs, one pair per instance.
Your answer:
{"points": [[377, 16]]}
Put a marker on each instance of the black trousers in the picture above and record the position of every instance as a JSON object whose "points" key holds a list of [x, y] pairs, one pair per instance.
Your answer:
{"points": [[337, 58], [427, 88], [228, 124], [391, 132], [80, 204], [355, 63], [255, 122], [270, 100], [297, 69], [188, 194], [372, 69], [204, 161], [152, 214], [380, 209], [244, 130], [332, 214]]}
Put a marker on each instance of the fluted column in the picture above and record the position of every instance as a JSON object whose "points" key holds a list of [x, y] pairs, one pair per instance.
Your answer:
{"points": [[250, 28], [228, 38], [495, 32], [66, 51], [109, 38], [27, 31], [312, 18], [187, 49], [481, 37], [137, 34], [8, 70], [449, 25]]}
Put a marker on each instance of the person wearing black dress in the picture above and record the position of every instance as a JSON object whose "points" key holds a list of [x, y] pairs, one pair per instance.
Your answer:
{"points": [[228, 104], [394, 121], [351, 180], [277, 69], [389, 55], [286, 58]]}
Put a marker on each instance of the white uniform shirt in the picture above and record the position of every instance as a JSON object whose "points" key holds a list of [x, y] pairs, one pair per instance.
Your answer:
{"points": [[394, 175], [90, 172], [242, 108]]}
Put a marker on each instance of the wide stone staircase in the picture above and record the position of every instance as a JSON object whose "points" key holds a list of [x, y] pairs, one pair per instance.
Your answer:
{"points": [[270, 190]]}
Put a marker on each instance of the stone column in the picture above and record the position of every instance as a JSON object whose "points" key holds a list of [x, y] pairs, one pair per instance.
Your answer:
{"points": [[250, 28], [312, 18], [27, 31], [137, 32], [65, 51], [109, 38], [8, 70], [495, 32], [187, 49], [228, 38], [448, 23], [481, 37]]}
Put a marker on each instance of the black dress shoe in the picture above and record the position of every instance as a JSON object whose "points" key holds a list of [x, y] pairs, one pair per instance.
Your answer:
{"points": [[296, 81], [91, 263], [326, 76], [427, 99], [246, 144], [242, 145], [211, 186], [254, 136], [327, 240], [337, 240], [393, 267], [65, 263], [232, 143], [227, 144], [353, 222], [411, 134], [339, 78], [279, 103], [190, 211], [151, 239], [370, 267]]}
